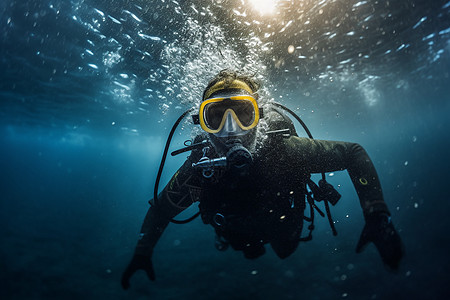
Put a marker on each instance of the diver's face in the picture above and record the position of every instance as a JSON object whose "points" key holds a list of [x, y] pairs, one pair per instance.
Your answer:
{"points": [[232, 120], [229, 114]]}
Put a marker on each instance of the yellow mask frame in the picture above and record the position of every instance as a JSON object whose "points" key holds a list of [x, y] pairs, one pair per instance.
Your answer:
{"points": [[204, 124]]}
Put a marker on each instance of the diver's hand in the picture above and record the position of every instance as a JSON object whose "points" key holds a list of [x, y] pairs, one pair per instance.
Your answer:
{"points": [[381, 232], [138, 262]]}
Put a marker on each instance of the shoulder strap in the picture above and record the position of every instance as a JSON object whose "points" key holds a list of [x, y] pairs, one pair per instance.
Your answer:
{"points": [[278, 121]]}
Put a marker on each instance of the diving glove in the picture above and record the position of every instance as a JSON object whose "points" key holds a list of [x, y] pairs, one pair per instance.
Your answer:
{"points": [[138, 262], [380, 230]]}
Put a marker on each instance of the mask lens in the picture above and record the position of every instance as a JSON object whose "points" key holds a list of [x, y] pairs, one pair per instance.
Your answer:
{"points": [[244, 110], [213, 113]]}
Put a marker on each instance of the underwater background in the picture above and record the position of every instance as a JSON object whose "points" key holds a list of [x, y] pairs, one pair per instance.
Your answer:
{"points": [[89, 90]]}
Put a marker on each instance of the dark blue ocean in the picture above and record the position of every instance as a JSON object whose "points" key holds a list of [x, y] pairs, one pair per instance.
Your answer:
{"points": [[89, 90]]}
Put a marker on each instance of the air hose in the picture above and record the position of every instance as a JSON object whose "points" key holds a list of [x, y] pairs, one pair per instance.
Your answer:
{"points": [[161, 166]]}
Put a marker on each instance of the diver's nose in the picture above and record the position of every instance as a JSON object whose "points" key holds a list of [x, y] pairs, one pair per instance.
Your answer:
{"points": [[230, 125]]}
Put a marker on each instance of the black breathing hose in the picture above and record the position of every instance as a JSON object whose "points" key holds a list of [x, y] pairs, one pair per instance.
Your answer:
{"points": [[161, 166]]}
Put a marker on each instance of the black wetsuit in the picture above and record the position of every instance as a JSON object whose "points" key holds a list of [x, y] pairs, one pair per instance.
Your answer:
{"points": [[267, 204]]}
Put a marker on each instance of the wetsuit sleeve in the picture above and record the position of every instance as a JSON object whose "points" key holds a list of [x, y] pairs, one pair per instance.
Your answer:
{"points": [[316, 156], [181, 191]]}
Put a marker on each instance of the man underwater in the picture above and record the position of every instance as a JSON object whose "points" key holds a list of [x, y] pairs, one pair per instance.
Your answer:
{"points": [[249, 171]]}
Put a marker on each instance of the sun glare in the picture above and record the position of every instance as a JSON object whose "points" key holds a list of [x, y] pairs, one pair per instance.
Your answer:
{"points": [[264, 6]]}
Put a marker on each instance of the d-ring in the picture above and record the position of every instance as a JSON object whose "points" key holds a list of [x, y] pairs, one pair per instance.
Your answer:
{"points": [[219, 219], [363, 181]]}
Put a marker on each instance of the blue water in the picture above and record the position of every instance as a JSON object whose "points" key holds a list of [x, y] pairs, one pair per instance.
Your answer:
{"points": [[90, 89]]}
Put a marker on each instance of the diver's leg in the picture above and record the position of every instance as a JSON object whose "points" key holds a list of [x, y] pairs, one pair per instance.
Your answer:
{"points": [[284, 248], [287, 238], [254, 250]]}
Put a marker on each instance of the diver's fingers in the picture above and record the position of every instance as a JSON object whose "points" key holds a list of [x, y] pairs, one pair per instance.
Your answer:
{"points": [[363, 242], [125, 281], [150, 272], [392, 251]]}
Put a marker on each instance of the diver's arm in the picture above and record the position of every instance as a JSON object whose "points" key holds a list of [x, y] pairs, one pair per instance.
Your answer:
{"points": [[175, 197], [317, 156], [329, 156], [155, 222]]}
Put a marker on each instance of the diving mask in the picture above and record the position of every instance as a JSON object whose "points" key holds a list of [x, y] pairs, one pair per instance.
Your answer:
{"points": [[225, 116]]}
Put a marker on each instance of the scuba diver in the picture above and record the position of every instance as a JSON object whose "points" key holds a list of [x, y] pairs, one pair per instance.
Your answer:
{"points": [[250, 174]]}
